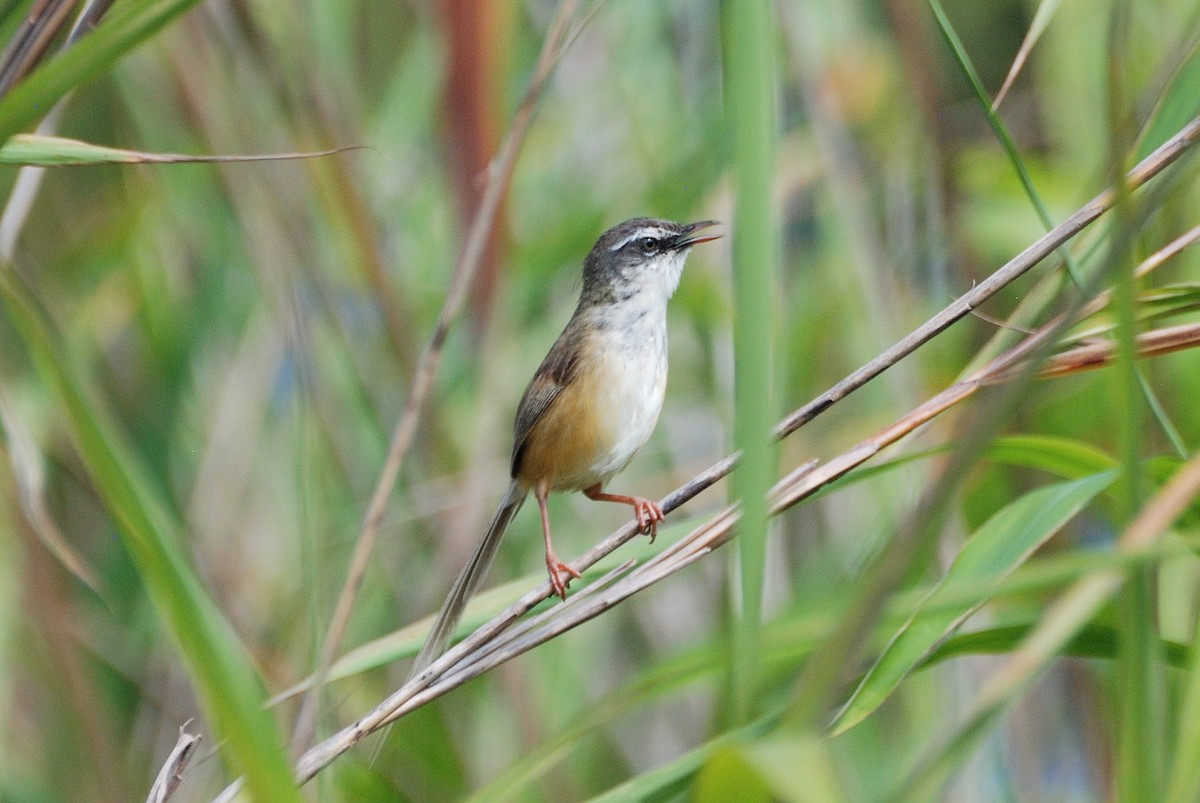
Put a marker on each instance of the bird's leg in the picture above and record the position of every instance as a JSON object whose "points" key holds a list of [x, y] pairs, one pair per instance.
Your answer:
{"points": [[553, 565], [648, 513]]}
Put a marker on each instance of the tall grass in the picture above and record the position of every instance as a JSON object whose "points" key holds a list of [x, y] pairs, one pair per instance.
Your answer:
{"points": [[200, 366], [749, 35]]}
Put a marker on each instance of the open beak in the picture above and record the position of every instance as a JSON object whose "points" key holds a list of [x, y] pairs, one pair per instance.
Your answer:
{"points": [[686, 240]]}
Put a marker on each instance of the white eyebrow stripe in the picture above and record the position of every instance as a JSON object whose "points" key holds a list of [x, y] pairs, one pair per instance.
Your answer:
{"points": [[637, 235]]}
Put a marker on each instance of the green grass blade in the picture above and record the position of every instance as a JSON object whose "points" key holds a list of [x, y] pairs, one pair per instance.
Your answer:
{"points": [[220, 668], [749, 69], [1041, 21], [796, 768], [1183, 782], [791, 638], [123, 28], [1091, 641], [668, 782], [1003, 542], [1140, 703], [47, 151], [1180, 104], [1160, 415], [1001, 131], [1064, 457]]}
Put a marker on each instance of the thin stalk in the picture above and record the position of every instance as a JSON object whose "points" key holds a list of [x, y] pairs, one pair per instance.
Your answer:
{"points": [[749, 76], [993, 117], [1140, 702]]}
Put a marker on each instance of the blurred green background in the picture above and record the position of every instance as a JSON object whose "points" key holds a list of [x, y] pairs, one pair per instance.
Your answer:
{"points": [[201, 365]]}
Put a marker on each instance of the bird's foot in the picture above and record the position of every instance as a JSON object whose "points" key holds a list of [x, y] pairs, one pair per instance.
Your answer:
{"points": [[648, 515], [556, 569]]}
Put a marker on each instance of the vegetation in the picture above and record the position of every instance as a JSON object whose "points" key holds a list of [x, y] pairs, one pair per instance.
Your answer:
{"points": [[254, 414]]}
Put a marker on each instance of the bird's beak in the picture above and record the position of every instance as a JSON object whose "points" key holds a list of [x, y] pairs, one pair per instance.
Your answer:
{"points": [[685, 240]]}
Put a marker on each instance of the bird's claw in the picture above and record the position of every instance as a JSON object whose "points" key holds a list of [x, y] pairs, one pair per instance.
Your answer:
{"points": [[648, 516], [556, 567]]}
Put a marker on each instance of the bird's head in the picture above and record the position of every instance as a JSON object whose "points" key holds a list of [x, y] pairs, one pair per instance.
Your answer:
{"points": [[640, 255]]}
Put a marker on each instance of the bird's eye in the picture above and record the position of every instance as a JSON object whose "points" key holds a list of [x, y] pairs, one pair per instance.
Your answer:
{"points": [[649, 245]]}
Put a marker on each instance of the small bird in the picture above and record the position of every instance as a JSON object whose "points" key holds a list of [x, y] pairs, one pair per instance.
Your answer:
{"points": [[594, 400]]}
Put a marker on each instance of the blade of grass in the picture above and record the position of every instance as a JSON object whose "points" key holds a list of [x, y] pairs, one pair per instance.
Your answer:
{"points": [[1063, 457], [126, 26], [28, 471], [1092, 641], [224, 676], [789, 639], [749, 33], [1141, 702], [1160, 415], [1003, 542], [1067, 617], [1156, 305], [1183, 782], [1001, 131], [668, 782], [1180, 101], [796, 768], [1041, 20], [50, 151]]}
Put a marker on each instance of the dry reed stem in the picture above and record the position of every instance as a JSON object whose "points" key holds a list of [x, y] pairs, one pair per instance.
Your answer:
{"points": [[172, 769]]}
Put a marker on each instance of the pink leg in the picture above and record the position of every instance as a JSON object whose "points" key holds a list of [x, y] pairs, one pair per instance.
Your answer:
{"points": [[553, 565], [648, 513]]}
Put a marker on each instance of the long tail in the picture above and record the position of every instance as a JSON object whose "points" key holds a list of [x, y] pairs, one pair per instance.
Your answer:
{"points": [[468, 581]]}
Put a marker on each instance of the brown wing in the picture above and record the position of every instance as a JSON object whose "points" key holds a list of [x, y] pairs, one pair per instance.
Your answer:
{"points": [[554, 374]]}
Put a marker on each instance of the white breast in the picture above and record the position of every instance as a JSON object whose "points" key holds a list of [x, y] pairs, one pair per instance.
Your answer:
{"points": [[634, 395], [631, 382]]}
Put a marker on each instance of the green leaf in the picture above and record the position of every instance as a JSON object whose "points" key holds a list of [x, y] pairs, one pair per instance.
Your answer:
{"points": [[797, 768], [670, 781], [998, 127], [728, 776], [1153, 305], [1041, 20], [47, 151], [749, 75], [1063, 457], [122, 29], [1183, 781], [1181, 104], [223, 674], [1091, 641], [999, 546]]}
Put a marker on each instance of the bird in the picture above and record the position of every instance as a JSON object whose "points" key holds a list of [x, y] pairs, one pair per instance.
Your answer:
{"points": [[594, 400]]}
